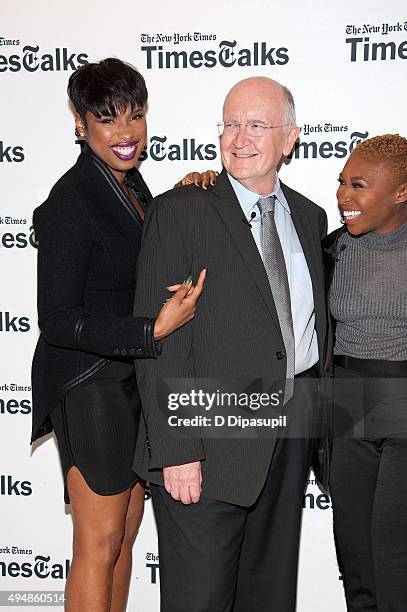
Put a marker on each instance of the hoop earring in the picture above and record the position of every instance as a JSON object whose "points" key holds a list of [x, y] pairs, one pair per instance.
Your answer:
{"points": [[79, 135]]}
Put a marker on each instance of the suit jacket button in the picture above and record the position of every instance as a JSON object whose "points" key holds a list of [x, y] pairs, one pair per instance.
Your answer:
{"points": [[280, 355], [132, 352], [139, 351], [123, 352], [116, 352]]}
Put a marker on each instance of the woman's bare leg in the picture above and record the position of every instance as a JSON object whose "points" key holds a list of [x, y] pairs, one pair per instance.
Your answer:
{"points": [[122, 570], [99, 527]]}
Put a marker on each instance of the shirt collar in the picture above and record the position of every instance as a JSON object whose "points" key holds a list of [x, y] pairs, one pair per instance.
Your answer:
{"points": [[248, 199]]}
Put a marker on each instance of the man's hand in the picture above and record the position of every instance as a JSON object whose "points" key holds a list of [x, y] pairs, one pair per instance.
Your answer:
{"points": [[183, 482]]}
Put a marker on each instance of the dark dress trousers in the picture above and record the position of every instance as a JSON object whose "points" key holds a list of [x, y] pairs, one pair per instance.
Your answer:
{"points": [[89, 237], [368, 482], [235, 334]]}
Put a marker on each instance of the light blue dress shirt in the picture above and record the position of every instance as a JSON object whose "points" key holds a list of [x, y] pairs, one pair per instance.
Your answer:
{"points": [[299, 280]]}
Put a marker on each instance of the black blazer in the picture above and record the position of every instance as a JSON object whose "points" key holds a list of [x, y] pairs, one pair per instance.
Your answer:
{"points": [[88, 237], [235, 333], [331, 255]]}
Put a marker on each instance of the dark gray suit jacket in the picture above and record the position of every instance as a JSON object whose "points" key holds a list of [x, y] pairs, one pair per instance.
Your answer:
{"points": [[235, 333]]}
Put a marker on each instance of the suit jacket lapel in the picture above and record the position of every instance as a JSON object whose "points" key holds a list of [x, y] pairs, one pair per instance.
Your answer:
{"points": [[227, 205], [330, 252], [312, 248], [110, 182]]}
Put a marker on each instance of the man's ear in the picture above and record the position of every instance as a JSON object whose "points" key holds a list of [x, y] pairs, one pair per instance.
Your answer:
{"points": [[291, 140]]}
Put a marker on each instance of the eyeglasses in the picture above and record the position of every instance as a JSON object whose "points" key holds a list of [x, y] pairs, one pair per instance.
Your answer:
{"points": [[252, 129]]}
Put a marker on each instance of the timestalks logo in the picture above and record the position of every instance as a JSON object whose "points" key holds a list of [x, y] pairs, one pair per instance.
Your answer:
{"points": [[227, 55], [10, 323], [32, 60], [19, 240], [327, 149], [15, 406], [9, 486], [11, 153], [320, 501], [40, 567], [188, 149], [362, 49]]}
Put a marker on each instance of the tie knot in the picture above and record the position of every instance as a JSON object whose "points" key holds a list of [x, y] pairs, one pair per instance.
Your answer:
{"points": [[267, 204]]}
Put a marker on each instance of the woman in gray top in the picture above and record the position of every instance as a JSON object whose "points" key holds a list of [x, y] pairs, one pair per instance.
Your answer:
{"points": [[368, 302]]}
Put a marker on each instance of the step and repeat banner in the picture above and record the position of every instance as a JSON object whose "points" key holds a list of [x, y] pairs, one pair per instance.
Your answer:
{"points": [[345, 63]]}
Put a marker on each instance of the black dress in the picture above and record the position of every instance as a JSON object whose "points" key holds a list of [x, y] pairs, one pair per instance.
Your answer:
{"points": [[84, 385]]}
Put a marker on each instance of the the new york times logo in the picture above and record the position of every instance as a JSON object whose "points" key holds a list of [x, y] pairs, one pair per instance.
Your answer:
{"points": [[9, 42], [11, 153], [9, 220], [10, 486], [160, 149], [13, 323], [153, 565], [319, 141], [31, 60], [227, 55], [362, 48], [15, 550], [40, 567]]}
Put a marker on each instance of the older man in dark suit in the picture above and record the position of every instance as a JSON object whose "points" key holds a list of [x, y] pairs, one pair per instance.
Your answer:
{"points": [[228, 506]]}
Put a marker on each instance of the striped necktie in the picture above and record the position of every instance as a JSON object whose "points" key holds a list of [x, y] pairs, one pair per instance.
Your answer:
{"points": [[274, 263]]}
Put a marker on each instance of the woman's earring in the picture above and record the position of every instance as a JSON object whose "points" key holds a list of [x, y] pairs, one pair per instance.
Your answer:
{"points": [[79, 135]]}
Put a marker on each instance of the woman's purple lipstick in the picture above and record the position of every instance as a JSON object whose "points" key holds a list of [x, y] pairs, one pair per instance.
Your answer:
{"points": [[125, 150]]}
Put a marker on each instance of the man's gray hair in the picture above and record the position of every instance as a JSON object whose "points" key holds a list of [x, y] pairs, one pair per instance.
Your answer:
{"points": [[290, 107]]}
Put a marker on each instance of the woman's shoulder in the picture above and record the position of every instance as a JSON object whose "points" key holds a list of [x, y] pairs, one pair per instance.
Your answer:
{"points": [[333, 237], [64, 207], [66, 198], [332, 246]]}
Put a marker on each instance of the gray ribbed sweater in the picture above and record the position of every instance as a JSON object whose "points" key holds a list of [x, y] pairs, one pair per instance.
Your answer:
{"points": [[368, 296]]}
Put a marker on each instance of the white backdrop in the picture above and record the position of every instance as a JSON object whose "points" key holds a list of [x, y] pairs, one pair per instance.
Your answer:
{"points": [[344, 62]]}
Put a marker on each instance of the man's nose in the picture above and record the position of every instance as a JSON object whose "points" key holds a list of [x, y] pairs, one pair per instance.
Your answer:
{"points": [[241, 139]]}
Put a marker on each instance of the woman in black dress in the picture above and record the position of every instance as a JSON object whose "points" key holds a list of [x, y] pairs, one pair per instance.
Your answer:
{"points": [[368, 302], [84, 387]]}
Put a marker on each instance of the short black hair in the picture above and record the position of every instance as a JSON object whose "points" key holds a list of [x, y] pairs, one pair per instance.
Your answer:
{"points": [[107, 87]]}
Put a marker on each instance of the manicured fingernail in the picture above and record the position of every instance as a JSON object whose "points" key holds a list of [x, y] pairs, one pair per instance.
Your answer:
{"points": [[188, 281]]}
